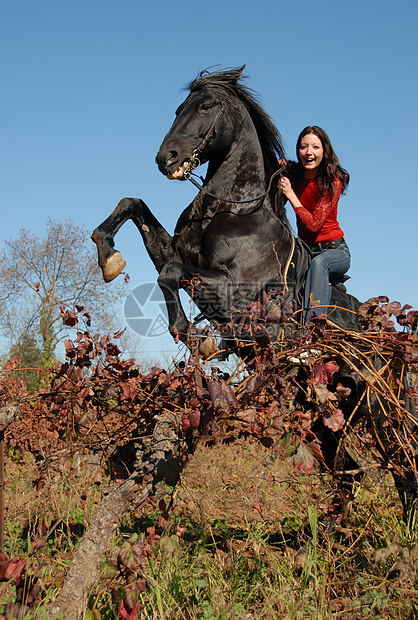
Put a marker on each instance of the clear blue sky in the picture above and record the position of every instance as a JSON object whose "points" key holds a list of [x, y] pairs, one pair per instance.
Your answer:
{"points": [[90, 87]]}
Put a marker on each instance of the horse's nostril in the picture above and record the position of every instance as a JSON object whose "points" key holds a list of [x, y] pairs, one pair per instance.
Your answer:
{"points": [[166, 159], [172, 157]]}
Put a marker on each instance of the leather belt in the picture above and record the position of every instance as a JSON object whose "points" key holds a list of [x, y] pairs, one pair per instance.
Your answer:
{"points": [[326, 245]]}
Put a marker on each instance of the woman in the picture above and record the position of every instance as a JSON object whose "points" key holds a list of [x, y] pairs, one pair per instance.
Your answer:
{"points": [[313, 187]]}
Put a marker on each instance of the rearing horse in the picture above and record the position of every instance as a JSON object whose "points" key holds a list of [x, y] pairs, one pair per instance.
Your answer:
{"points": [[234, 236]]}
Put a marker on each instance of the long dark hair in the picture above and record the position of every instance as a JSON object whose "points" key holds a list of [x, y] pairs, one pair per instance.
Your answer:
{"points": [[330, 167]]}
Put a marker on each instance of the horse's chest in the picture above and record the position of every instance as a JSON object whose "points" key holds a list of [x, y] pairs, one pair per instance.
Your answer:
{"points": [[207, 246], [226, 242], [219, 248], [230, 243]]}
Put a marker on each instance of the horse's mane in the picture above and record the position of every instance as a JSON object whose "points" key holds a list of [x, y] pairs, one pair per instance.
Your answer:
{"points": [[228, 85]]}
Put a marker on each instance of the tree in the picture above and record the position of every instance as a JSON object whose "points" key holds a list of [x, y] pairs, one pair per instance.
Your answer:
{"points": [[38, 275], [29, 353]]}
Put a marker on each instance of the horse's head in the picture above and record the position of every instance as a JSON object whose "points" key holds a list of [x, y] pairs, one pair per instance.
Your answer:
{"points": [[199, 130], [214, 114]]}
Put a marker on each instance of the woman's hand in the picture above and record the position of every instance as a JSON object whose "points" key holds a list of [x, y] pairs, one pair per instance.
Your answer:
{"points": [[286, 187]]}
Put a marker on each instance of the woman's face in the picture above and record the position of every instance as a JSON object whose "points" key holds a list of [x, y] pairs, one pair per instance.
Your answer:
{"points": [[311, 153]]}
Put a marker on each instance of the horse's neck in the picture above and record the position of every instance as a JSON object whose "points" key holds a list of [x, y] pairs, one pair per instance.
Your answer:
{"points": [[241, 175]]}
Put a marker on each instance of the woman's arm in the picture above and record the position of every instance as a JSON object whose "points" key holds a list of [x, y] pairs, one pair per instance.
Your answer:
{"points": [[313, 221]]}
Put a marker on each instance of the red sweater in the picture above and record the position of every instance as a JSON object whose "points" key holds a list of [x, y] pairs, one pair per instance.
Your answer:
{"points": [[317, 221]]}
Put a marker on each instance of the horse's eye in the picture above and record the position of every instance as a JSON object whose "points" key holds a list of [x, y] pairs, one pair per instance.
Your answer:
{"points": [[205, 106]]}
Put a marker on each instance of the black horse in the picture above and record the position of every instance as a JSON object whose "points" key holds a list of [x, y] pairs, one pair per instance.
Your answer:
{"points": [[233, 244], [234, 238]]}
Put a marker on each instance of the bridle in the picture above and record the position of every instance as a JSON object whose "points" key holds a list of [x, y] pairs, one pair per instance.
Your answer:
{"points": [[210, 131], [194, 161]]}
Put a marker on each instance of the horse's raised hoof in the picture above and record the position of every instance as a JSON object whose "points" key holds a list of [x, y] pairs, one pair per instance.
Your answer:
{"points": [[113, 266]]}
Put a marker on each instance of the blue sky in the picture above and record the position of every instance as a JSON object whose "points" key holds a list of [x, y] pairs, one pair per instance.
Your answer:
{"points": [[90, 87]]}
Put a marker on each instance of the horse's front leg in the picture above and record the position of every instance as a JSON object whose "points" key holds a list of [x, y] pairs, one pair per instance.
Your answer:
{"points": [[211, 294], [156, 239], [169, 280]]}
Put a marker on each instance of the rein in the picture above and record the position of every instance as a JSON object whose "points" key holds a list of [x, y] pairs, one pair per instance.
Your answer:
{"points": [[188, 177], [236, 202]]}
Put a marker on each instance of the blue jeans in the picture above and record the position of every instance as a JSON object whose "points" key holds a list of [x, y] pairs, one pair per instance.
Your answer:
{"points": [[325, 265]]}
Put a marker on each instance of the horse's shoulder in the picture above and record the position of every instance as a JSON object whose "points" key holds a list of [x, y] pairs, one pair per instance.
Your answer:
{"points": [[190, 214]]}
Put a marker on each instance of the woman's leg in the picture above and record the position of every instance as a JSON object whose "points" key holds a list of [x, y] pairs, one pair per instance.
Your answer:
{"points": [[335, 262]]}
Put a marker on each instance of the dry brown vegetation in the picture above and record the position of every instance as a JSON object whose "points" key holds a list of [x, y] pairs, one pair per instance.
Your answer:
{"points": [[256, 526]]}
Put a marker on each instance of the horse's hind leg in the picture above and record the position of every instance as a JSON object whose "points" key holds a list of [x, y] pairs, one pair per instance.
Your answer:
{"points": [[156, 239]]}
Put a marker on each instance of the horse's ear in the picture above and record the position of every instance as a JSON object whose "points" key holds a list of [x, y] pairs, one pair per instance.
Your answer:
{"points": [[237, 73]]}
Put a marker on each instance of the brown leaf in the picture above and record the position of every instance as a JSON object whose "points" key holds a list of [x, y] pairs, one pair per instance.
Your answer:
{"points": [[304, 458], [323, 373], [323, 394], [334, 419], [222, 396], [343, 390]]}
